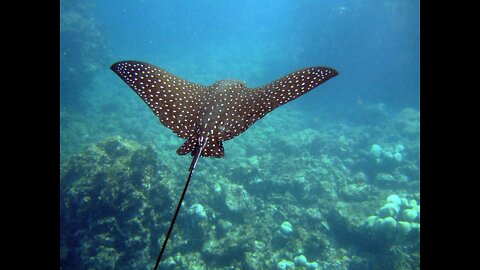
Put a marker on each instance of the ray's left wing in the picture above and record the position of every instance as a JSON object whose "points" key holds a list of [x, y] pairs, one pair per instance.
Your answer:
{"points": [[171, 98]]}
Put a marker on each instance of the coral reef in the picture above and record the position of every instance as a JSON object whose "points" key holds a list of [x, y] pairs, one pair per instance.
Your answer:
{"points": [[83, 52], [397, 220], [262, 207], [110, 196], [408, 123]]}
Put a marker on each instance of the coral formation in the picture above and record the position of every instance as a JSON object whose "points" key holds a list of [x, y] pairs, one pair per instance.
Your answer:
{"points": [[83, 52], [245, 211], [286, 228], [382, 155], [199, 211], [285, 265], [408, 123], [109, 201], [301, 260], [397, 220]]}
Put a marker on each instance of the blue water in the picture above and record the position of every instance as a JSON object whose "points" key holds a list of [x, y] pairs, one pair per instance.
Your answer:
{"points": [[374, 45]]}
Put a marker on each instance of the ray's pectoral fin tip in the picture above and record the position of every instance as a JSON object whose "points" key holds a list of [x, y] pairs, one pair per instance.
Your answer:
{"points": [[218, 112]]}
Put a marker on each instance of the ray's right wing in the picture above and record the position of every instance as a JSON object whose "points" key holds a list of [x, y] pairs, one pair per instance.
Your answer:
{"points": [[262, 100], [290, 87]]}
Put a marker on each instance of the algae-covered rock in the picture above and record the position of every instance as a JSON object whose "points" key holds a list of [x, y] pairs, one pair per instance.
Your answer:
{"points": [[237, 201], [357, 191], [110, 195], [408, 123], [236, 198], [232, 247], [285, 265], [384, 178], [199, 211]]}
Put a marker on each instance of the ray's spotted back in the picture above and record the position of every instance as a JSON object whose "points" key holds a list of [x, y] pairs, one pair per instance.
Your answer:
{"points": [[213, 113]]}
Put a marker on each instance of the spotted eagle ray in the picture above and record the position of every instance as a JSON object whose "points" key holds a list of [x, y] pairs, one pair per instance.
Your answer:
{"points": [[206, 116]]}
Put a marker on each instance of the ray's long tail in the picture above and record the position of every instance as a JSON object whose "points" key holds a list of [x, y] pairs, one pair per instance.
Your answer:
{"points": [[192, 168]]}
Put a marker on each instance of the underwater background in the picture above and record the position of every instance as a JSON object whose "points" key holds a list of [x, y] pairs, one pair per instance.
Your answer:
{"points": [[328, 181]]}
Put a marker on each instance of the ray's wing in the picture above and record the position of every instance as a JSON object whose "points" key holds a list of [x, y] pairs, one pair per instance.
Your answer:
{"points": [[171, 98], [255, 103]]}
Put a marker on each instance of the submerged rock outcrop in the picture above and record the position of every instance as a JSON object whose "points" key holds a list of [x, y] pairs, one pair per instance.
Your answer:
{"points": [[110, 196], [268, 207]]}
